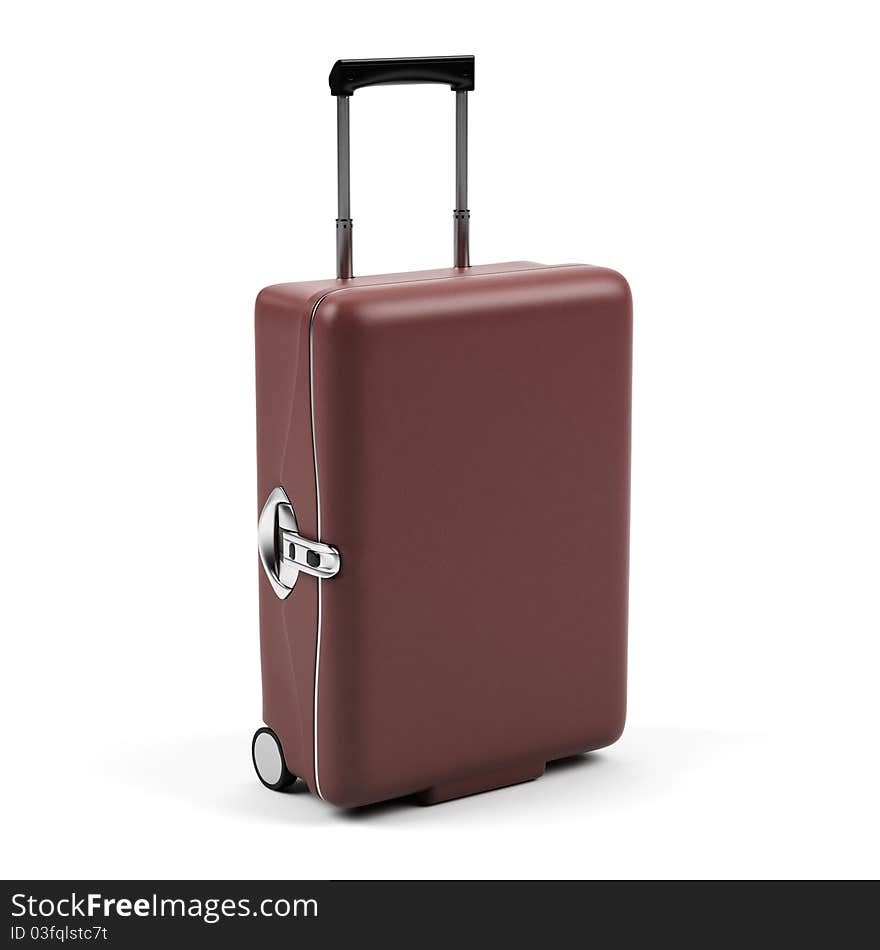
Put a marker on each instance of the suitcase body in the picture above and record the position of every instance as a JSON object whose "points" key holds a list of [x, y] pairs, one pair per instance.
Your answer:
{"points": [[452, 453]]}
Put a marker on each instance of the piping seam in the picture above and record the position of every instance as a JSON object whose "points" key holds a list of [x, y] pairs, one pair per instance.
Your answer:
{"points": [[318, 513]]}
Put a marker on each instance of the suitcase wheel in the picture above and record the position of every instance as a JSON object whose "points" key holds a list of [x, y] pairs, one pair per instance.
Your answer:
{"points": [[268, 758]]}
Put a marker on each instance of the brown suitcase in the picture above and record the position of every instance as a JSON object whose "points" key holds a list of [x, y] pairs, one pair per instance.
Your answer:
{"points": [[443, 477]]}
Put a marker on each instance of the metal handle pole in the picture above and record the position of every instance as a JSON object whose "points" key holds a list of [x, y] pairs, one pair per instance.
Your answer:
{"points": [[461, 215], [343, 172], [344, 225]]}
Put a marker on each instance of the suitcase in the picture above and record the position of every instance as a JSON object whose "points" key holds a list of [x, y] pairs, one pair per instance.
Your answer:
{"points": [[443, 478]]}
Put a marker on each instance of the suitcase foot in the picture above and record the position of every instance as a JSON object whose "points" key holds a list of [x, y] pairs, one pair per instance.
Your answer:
{"points": [[268, 758], [485, 782]]}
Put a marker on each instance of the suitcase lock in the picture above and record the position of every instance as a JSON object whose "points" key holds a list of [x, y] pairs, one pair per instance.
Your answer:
{"points": [[284, 552]]}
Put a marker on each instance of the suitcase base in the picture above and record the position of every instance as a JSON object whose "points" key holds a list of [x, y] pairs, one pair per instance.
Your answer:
{"points": [[485, 782]]}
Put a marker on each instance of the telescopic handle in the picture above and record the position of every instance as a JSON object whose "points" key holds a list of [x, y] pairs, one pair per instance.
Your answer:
{"points": [[349, 75]]}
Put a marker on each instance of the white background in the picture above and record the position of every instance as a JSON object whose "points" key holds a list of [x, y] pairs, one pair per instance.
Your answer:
{"points": [[164, 161]]}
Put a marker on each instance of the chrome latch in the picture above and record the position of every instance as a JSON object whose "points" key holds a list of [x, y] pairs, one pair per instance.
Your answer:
{"points": [[284, 552]]}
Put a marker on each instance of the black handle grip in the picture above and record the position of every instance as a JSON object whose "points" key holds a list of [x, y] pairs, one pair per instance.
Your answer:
{"points": [[348, 75]]}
